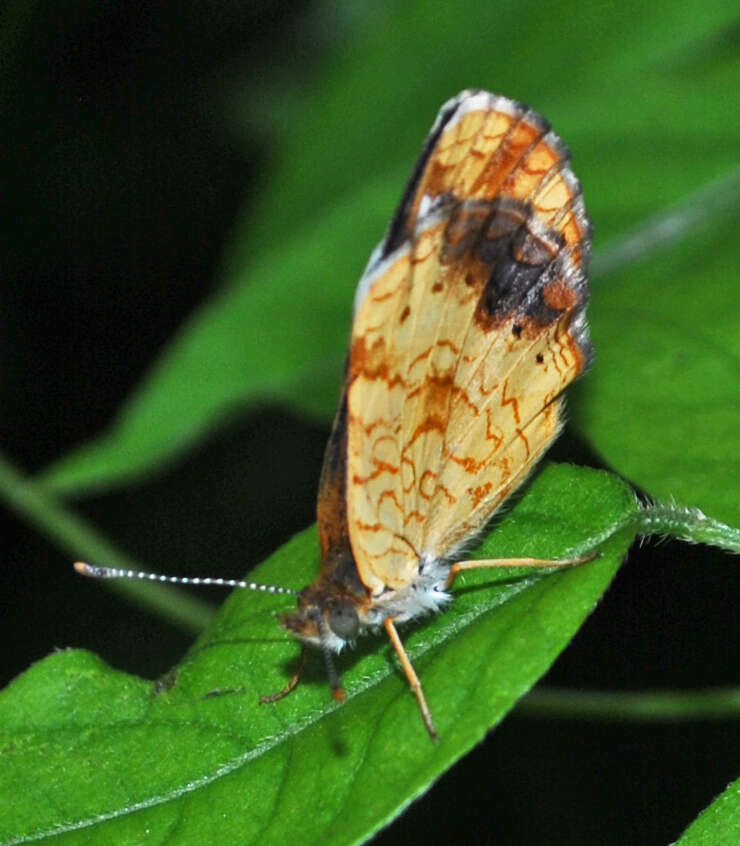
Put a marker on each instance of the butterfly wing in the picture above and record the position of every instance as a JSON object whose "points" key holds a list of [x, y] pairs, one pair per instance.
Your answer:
{"points": [[469, 323]]}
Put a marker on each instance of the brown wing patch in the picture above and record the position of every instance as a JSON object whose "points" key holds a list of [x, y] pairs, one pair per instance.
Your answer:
{"points": [[470, 323], [487, 146], [337, 562]]}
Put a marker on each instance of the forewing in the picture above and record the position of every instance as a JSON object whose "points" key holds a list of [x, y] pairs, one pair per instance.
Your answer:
{"points": [[469, 322]]}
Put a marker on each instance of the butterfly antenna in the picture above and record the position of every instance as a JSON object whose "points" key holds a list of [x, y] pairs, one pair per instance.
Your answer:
{"points": [[96, 572], [337, 691]]}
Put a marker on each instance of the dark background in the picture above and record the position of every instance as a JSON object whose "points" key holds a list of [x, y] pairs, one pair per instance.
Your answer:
{"points": [[124, 170]]}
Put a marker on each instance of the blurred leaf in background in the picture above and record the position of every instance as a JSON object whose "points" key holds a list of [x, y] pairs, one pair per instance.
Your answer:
{"points": [[637, 104]]}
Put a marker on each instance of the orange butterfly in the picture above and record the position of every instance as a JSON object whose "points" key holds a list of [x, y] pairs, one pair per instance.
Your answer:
{"points": [[469, 322]]}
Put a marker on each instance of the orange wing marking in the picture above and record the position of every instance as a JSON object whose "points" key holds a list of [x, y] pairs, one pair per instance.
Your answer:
{"points": [[512, 401], [479, 494], [430, 474], [521, 434], [380, 468]]}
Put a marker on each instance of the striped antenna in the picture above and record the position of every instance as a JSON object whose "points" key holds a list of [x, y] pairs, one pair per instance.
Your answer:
{"points": [[96, 572]]}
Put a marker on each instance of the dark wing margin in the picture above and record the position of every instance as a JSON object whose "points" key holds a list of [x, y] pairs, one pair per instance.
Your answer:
{"points": [[399, 230], [337, 561]]}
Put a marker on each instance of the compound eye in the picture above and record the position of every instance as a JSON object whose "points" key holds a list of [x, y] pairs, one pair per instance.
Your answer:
{"points": [[343, 620]]}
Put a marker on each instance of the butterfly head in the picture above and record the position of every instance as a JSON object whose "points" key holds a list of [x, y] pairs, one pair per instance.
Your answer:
{"points": [[325, 618]]}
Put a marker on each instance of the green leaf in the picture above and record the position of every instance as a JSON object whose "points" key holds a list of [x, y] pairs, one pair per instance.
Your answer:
{"points": [[96, 756], [717, 825], [661, 403], [645, 111], [279, 335]]}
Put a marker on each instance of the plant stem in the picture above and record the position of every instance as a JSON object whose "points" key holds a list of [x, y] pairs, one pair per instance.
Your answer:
{"points": [[687, 524], [642, 706]]}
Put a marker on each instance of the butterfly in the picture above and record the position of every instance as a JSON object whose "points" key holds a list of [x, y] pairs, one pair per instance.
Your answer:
{"points": [[469, 322]]}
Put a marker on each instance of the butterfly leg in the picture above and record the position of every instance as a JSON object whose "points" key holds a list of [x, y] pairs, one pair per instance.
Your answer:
{"points": [[413, 679], [543, 563], [292, 682]]}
